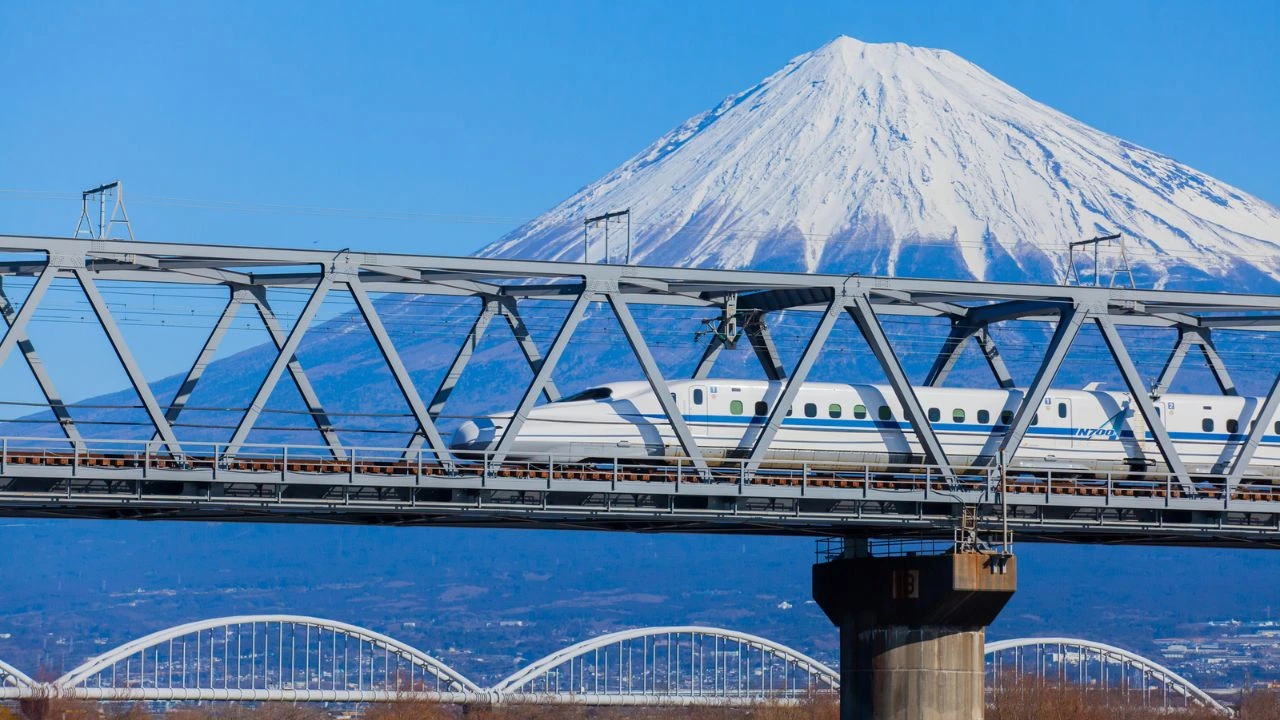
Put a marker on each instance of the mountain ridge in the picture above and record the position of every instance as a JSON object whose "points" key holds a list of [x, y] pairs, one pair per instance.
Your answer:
{"points": [[893, 160]]}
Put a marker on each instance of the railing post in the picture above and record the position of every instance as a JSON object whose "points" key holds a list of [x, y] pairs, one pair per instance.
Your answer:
{"points": [[418, 477], [284, 464], [351, 474], [146, 459], [217, 460], [4, 455]]}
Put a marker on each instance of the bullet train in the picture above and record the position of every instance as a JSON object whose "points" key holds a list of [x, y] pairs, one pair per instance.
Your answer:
{"points": [[1081, 431]]}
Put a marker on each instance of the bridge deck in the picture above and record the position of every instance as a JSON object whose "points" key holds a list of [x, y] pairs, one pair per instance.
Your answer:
{"points": [[370, 486], [692, 494]]}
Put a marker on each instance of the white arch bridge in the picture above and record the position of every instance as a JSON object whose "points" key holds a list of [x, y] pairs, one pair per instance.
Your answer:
{"points": [[306, 659]]}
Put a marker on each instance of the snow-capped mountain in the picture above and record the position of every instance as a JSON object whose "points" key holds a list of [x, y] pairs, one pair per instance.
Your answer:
{"points": [[896, 160]]}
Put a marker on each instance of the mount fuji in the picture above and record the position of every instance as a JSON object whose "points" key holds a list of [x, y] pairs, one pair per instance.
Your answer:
{"points": [[895, 160]]}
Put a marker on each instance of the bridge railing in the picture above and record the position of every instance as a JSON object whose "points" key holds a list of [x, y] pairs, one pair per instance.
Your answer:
{"points": [[372, 466]]}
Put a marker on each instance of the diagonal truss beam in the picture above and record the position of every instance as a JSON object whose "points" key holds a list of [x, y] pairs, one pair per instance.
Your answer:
{"points": [[542, 376], [869, 325], [1216, 365], [510, 312], [1261, 424], [1069, 322], [657, 382], [949, 353], [211, 343], [426, 426], [41, 374], [324, 425], [460, 360], [792, 386], [961, 333], [1142, 398], [709, 356], [1173, 363], [992, 354], [18, 324], [1189, 337], [762, 343], [131, 368], [284, 357]]}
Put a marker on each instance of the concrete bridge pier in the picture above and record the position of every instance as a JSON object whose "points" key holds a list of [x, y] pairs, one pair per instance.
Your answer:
{"points": [[912, 630]]}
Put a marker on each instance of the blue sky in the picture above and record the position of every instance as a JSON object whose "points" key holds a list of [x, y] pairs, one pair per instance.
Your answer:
{"points": [[496, 111], [476, 116]]}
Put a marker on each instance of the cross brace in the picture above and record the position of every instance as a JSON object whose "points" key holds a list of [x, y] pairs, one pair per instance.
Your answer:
{"points": [[41, 374], [1142, 398], [961, 332], [1201, 338], [869, 325]]}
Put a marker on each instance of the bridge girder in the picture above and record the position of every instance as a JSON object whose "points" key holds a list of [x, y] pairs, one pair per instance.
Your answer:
{"points": [[501, 286]]}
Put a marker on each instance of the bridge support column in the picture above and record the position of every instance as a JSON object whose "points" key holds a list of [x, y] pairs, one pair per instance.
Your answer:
{"points": [[912, 630]]}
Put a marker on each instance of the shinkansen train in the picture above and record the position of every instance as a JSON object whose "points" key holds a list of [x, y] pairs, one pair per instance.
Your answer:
{"points": [[1086, 431]]}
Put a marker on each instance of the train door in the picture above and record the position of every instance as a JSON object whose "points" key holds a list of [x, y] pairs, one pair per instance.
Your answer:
{"points": [[699, 409], [1063, 416]]}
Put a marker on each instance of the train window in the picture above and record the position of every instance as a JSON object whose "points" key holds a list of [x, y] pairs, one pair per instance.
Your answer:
{"points": [[1062, 410], [735, 407], [810, 410], [984, 417], [934, 415], [791, 410], [860, 411], [762, 408], [1035, 419], [833, 410], [886, 413], [1206, 424], [1233, 426], [697, 396], [1276, 427], [957, 415], [1006, 417]]}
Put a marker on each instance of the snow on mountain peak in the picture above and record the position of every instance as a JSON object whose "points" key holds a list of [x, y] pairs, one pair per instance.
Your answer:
{"points": [[897, 160]]}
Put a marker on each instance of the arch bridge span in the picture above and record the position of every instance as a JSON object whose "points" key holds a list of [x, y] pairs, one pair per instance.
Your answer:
{"points": [[298, 658], [14, 683], [266, 657], [1093, 665]]}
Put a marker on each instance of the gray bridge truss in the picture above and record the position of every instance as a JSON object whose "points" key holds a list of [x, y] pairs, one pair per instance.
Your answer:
{"points": [[293, 658], [168, 476]]}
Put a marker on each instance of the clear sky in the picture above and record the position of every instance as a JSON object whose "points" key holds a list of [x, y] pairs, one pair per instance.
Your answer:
{"points": [[485, 114]]}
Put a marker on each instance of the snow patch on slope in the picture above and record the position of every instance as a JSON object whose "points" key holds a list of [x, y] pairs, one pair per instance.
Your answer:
{"points": [[890, 159]]}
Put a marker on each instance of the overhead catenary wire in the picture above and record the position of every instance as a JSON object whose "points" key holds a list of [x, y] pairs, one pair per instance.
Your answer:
{"points": [[571, 225]]}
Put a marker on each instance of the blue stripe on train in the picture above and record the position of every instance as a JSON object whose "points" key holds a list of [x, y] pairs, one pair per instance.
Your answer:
{"points": [[1081, 433]]}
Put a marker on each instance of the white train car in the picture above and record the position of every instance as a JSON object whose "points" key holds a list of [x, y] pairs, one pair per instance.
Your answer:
{"points": [[1084, 431]]}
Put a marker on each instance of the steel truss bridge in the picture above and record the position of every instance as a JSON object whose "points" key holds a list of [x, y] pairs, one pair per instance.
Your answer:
{"points": [[166, 476], [293, 658]]}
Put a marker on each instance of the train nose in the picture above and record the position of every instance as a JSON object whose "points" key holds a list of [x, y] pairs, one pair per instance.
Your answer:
{"points": [[474, 435]]}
